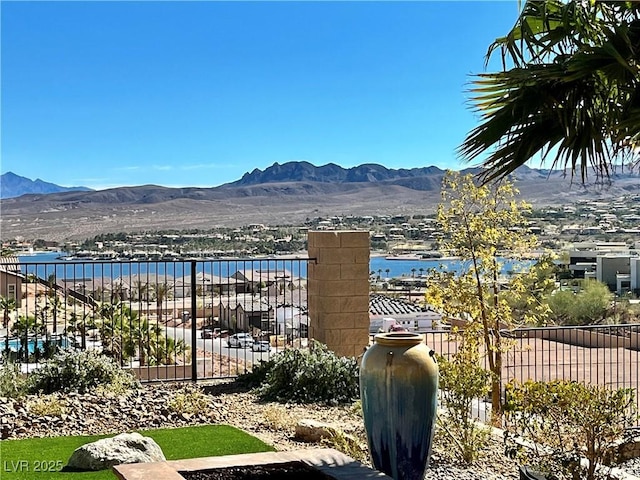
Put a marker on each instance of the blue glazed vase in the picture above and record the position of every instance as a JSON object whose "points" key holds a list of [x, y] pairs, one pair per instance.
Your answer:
{"points": [[398, 389]]}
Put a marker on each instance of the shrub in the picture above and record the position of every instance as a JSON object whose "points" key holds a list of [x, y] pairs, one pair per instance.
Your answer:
{"points": [[356, 408], [12, 382], [563, 421], [314, 375], [586, 307], [462, 382], [81, 372], [189, 400], [46, 406], [258, 374], [118, 386], [348, 445], [277, 417]]}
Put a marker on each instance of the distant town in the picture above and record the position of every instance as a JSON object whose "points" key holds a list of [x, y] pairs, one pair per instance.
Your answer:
{"points": [[557, 229]]}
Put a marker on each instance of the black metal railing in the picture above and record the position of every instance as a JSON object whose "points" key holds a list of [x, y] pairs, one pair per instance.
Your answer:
{"points": [[190, 320], [205, 319], [606, 355]]}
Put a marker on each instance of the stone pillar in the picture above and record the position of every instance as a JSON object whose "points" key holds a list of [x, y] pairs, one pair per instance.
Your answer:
{"points": [[338, 290]]}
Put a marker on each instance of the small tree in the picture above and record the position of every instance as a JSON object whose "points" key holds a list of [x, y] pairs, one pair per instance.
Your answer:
{"points": [[482, 225], [140, 290]]}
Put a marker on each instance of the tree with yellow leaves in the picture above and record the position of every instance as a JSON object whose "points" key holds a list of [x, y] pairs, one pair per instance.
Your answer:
{"points": [[485, 226]]}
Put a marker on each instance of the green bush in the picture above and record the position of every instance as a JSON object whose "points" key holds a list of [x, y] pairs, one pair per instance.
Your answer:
{"points": [[463, 381], [561, 421], [314, 375], [77, 372], [12, 382], [590, 305]]}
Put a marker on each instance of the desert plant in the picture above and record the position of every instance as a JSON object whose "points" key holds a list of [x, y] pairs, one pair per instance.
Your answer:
{"points": [[191, 400], [46, 406], [563, 421], [347, 444], [356, 408], [278, 417], [12, 382], [118, 386], [462, 381], [81, 372], [306, 376], [255, 377]]}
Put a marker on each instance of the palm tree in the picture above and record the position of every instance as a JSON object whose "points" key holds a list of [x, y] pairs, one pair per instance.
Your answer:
{"points": [[78, 326], [112, 329], [141, 334], [141, 290], [569, 89], [53, 304], [7, 305], [165, 350], [162, 292], [117, 292], [25, 327]]}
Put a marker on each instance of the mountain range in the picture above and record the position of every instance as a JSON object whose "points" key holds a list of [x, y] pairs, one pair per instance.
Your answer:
{"points": [[12, 185], [280, 194]]}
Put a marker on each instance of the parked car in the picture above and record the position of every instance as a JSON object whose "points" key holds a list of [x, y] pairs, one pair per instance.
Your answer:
{"points": [[261, 346], [240, 340], [209, 332]]}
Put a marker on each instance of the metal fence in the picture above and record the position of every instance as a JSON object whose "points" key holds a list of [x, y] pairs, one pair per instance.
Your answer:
{"points": [[183, 320], [606, 355]]}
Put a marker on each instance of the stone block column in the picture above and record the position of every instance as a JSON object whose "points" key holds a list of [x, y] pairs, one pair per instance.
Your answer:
{"points": [[338, 290]]}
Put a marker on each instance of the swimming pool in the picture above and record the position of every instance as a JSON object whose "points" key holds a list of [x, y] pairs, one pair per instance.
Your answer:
{"points": [[13, 344]]}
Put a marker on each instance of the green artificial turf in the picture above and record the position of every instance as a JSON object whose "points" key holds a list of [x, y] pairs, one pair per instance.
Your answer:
{"points": [[43, 458]]}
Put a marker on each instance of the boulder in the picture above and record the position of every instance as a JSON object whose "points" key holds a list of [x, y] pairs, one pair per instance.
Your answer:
{"points": [[123, 448], [312, 431]]}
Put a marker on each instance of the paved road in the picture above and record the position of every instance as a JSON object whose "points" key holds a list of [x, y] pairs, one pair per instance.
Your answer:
{"points": [[217, 345]]}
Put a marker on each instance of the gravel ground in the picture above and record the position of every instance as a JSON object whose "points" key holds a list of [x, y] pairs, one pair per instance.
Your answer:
{"points": [[150, 407]]}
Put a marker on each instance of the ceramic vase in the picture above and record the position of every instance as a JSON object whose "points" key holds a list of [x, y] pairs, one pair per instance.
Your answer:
{"points": [[398, 389]]}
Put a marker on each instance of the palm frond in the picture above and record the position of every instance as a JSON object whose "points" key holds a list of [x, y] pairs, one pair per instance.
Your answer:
{"points": [[572, 94]]}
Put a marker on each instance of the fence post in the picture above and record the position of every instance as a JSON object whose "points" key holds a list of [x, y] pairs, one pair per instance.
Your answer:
{"points": [[338, 290], [194, 327]]}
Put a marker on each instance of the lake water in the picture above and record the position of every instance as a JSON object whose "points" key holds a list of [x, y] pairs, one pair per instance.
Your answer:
{"points": [[44, 264]]}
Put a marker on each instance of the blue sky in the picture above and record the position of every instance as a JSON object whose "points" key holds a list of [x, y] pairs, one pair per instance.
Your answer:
{"points": [[106, 94]]}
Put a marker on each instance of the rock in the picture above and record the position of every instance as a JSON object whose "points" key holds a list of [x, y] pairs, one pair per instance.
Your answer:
{"points": [[123, 448], [312, 431]]}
